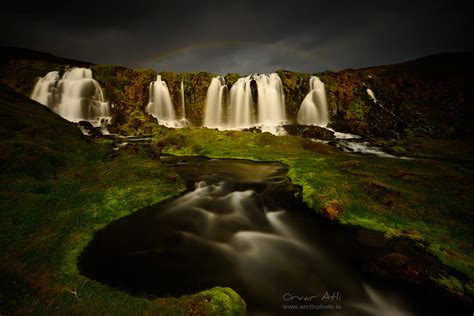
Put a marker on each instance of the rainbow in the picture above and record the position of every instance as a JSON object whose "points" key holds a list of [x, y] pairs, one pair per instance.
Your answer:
{"points": [[189, 49]]}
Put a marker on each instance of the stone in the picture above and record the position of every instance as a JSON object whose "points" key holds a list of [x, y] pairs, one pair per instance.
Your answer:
{"points": [[331, 210]]}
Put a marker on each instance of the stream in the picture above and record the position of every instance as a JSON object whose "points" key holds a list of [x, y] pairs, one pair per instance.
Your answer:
{"points": [[242, 224]]}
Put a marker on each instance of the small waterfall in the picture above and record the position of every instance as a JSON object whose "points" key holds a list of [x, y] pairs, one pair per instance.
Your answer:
{"points": [[76, 96], [213, 116], [160, 104], [267, 112], [183, 109], [314, 109], [371, 95]]}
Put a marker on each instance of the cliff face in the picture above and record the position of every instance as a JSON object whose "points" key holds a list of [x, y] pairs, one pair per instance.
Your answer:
{"points": [[127, 91], [195, 90], [430, 97]]}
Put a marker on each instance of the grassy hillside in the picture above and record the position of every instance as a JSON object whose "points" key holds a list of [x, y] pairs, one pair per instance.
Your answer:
{"points": [[57, 189]]}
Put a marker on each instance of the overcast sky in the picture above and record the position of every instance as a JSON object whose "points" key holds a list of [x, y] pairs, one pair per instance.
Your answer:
{"points": [[239, 36]]}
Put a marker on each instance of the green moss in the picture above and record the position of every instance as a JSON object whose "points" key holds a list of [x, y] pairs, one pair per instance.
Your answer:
{"points": [[450, 282], [224, 301], [231, 78]]}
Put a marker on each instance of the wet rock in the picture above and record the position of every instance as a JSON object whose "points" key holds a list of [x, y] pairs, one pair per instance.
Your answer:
{"points": [[86, 125], [309, 131], [252, 130], [400, 266], [96, 132]]}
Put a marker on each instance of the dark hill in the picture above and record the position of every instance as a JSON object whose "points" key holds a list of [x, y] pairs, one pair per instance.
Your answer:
{"points": [[33, 139]]}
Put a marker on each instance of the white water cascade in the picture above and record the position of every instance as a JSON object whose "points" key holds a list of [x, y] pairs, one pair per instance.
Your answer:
{"points": [[183, 109], [371, 94], [160, 105], [314, 109], [213, 116], [266, 113], [76, 96]]}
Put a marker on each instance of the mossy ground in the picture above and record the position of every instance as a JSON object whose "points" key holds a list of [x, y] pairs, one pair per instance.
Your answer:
{"points": [[55, 197], [427, 201]]}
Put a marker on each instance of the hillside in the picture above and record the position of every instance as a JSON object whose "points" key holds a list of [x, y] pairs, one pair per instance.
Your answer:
{"points": [[57, 188]]}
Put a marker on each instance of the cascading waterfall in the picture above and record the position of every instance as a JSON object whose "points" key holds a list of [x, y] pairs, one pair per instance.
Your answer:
{"points": [[183, 109], [76, 96], [241, 109], [160, 104], [371, 95], [314, 109], [271, 100], [213, 117], [267, 112]]}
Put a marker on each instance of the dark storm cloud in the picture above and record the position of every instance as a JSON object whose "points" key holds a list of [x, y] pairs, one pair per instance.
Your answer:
{"points": [[239, 36]]}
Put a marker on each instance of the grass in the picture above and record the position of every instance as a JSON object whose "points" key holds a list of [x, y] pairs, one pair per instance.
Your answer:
{"points": [[424, 200], [57, 189]]}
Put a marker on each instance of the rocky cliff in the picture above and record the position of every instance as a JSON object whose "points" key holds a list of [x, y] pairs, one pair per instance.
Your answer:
{"points": [[429, 97]]}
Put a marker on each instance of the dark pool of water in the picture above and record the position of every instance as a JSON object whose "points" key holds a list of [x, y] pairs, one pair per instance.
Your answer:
{"points": [[243, 225]]}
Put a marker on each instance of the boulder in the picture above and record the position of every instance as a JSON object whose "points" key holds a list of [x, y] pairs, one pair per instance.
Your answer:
{"points": [[86, 125], [309, 131], [331, 210]]}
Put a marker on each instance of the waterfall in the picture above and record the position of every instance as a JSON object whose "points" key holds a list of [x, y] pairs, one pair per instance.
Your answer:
{"points": [[76, 96], [271, 100], [241, 110], [160, 104], [371, 95], [267, 112], [314, 109], [183, 109], [213, 116]]}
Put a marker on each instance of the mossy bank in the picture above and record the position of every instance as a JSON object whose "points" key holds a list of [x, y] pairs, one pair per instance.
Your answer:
{"points": [[57, 189]]}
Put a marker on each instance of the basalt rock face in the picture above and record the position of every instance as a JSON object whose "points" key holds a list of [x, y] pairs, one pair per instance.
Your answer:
{"points": [[431, 97], [195, 90], [295, 87], [309, 131], [127, 91]]}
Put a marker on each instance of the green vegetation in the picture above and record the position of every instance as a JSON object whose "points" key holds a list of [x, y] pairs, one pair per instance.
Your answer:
{"points": [[426, 201], [57, 189]]}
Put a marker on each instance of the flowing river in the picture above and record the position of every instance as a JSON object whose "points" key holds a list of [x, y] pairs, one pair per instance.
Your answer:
{"points": [[242, 224]]}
